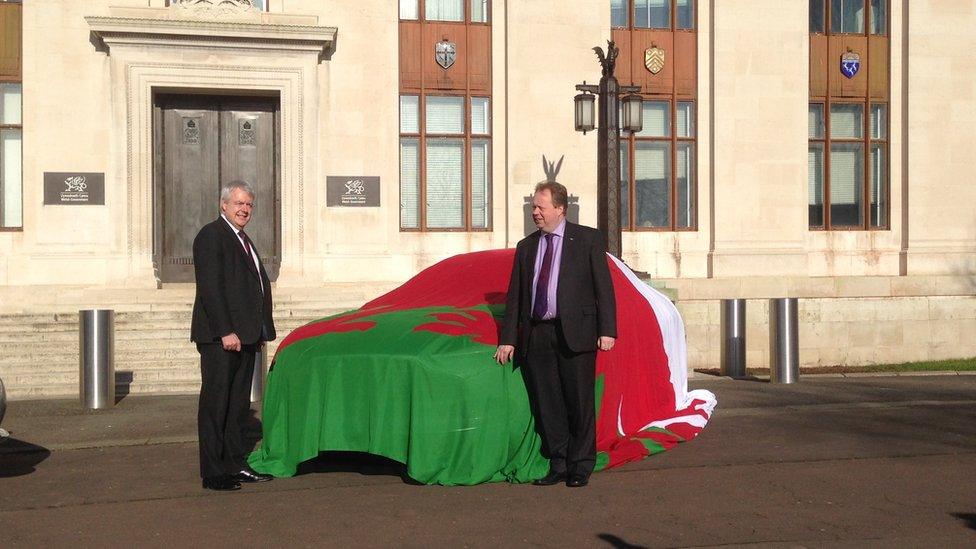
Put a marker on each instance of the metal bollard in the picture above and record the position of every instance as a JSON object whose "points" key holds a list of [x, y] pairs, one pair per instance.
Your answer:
{"points": [[97, 358], [784, 341], [733, 346], [260, 374]]}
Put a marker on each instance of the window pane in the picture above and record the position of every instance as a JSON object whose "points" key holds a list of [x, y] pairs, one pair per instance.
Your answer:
{"points": [[480, 116], [652, 183], [879, 183], [879, 17], [444, 10], [816, 15], [618, 13], [11, 155], [657, 119], [445, 184], [624, 186], [10, 103], [408, 9], [815, 184], [409, 184], [847, 16], [685, 14], [479, 11], [879, 121], [685, 185], [652, 14], [409, 114], [620, 119], [847, 121], [846, 184], [261, 4], [480, 183], [686, 119], [815, 121], [445, 114]]}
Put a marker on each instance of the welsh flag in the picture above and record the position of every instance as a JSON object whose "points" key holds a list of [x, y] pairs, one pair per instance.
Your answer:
{"points": [[411, 376]]}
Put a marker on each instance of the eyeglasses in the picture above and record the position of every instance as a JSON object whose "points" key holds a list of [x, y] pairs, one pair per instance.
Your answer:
{"points": [[242, 204]]}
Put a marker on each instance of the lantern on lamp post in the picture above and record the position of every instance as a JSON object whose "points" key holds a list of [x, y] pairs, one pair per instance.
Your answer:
{"points": [[585, 118], [608, 139]]}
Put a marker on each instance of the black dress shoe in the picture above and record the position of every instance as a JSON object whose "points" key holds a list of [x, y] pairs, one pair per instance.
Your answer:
{"points": [[550, 479], [221, 484], [250, 475], [575, 481]]}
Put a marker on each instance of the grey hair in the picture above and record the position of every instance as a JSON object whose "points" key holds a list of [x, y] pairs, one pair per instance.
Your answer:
{"points": [[236, 184]]}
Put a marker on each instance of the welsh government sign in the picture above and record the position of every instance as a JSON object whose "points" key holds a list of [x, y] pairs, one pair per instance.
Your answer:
{"points": [[74, 188], [352, 191]]}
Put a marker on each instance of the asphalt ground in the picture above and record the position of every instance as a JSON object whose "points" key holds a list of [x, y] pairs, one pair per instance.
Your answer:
{"points": [[870, 461]]}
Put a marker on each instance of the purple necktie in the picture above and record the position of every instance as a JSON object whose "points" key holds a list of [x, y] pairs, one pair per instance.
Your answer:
{"points": [[542, 285]]}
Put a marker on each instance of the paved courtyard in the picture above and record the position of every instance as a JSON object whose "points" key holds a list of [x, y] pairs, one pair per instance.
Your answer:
{"points": [[837, 462]]}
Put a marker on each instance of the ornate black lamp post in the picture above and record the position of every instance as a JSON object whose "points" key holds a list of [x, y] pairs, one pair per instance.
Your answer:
{"points": [[608, 126]]}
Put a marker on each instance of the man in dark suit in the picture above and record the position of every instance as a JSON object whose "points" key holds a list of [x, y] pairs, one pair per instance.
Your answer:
{"points": [[560, 309], [231, 321]]}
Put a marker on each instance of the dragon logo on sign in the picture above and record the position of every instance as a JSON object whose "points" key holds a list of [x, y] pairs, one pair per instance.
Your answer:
{"points": [[75, 184], [654, 59], [445, 53]]}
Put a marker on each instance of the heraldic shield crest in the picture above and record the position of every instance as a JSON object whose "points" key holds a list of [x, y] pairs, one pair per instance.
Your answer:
{"points": [[850, 63], [654, 59], [445, 53]]}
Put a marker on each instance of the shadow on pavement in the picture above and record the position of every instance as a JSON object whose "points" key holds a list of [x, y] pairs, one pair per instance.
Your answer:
{"points": [[968, 518], [618, 543], [18, 458], [355, 462]]}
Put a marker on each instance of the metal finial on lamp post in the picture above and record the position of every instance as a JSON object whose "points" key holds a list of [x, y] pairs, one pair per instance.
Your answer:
{"points": [[608, 142]]}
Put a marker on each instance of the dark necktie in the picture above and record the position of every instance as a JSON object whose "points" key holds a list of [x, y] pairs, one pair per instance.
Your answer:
{"points": [[542, 285], [247, 245], [250, 256]]}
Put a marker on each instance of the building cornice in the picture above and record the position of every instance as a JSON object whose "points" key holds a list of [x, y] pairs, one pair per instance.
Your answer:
{"points": [[164, 27]]}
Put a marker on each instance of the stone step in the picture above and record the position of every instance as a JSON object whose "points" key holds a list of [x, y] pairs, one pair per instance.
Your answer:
{"points": [[123, 335], [125, 376], [64, 331], [186, 387], [134, 339]]}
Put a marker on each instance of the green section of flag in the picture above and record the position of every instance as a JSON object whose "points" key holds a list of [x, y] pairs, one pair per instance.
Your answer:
{"points": [[665, 432], [438, 403], [598, 391]]}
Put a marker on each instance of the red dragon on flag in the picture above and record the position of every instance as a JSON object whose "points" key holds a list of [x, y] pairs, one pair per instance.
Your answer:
{"points": [[410, 376]]}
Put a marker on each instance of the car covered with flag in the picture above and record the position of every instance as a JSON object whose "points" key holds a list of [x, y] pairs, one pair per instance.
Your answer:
{"points": [[410, 376]]}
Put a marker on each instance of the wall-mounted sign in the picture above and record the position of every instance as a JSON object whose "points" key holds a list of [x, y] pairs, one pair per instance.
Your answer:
{"points": [[352, 191], [74, 188]]}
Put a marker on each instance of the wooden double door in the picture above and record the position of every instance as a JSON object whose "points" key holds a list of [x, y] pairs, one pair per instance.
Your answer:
{"points": [[201, 143]]}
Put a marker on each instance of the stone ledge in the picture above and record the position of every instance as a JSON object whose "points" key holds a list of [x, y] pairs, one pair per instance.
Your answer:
{"points": [[161, 25], [693, 289]]}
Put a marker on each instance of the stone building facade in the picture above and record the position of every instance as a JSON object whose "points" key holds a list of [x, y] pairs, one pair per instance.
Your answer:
{"points": [[352, 96]]}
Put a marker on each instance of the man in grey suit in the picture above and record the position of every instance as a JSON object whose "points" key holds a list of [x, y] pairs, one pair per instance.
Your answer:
{"points": [[560, 309], [231, 321]]}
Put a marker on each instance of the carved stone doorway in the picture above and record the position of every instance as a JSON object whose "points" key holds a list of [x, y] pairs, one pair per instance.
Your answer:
{"points": [[199, 143]]}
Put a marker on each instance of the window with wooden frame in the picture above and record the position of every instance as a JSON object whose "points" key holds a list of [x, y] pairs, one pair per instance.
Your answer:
{"points": [[659, 53], [848, 185], [11, 116], [445, 115]]}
